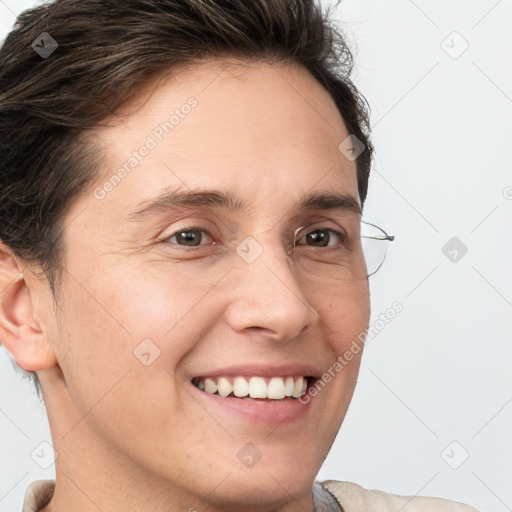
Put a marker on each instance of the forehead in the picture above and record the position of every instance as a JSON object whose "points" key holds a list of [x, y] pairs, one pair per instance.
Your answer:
{"points": [[251, 127]]}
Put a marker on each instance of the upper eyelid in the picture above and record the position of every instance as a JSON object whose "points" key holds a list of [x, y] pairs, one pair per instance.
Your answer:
{"points": [[335, 215], [184, 229]]}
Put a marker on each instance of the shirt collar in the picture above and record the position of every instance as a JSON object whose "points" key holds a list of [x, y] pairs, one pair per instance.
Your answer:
{"points": [[38, 495]]}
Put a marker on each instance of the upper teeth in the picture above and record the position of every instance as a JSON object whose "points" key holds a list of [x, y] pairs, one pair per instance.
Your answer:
{"points": [[274, 388]]}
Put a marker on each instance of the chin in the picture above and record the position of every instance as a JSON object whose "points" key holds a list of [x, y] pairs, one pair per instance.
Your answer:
{"points": [[280, 474], [266, 488]]}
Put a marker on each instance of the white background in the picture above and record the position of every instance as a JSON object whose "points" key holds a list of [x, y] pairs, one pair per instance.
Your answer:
{"points": [[439, 375]]}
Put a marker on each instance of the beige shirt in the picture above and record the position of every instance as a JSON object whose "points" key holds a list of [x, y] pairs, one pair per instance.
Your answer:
{"points": [[353, 498], [350, 496]]}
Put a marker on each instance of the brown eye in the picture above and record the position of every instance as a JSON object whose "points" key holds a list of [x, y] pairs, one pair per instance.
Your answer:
{"points": [[188, 237], [322, 237]]}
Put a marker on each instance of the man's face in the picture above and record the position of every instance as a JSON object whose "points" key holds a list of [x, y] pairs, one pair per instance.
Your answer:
{"points": [[145, 312]]}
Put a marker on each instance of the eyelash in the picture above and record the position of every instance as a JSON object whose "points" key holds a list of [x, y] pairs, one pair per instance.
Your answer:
{"points": [[340, 235]]}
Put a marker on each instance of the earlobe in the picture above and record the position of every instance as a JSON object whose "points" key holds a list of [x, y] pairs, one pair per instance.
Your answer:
{"points": [[20, 332]]}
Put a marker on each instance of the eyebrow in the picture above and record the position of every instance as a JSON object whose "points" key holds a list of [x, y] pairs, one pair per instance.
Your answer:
{"points": [[172, 200]]}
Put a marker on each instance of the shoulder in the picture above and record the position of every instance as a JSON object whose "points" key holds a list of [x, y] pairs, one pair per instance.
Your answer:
{"points": [[354, 498]]}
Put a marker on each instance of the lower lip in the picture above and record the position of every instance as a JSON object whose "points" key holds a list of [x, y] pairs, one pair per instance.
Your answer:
{"points": [[270, 412]]}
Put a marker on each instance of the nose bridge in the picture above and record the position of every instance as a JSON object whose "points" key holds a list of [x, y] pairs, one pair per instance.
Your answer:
{"points": [[268, 291]]}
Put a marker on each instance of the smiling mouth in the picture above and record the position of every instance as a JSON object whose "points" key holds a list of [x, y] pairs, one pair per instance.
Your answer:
{"points": [[255, 387]]}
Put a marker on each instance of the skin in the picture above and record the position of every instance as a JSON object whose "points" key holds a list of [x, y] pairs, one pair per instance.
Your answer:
{"points": [[129, 436]]}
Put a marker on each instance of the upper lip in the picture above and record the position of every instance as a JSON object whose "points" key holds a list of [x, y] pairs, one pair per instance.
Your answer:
{"points": [[285, 370]]}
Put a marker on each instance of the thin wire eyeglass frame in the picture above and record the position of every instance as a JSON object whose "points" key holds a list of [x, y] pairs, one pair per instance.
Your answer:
{"points": [[384, 237]]}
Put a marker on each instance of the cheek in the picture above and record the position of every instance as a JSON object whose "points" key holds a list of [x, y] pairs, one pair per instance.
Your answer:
{"points": [[111, 324], [346, 312], [164, 305], [121, 341]]}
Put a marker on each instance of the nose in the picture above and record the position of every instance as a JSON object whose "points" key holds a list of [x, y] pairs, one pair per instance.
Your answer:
{"points": [[266, 294]]}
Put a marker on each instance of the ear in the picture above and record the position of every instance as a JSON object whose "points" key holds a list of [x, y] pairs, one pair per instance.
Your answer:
{"points": [[20, 332]]}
